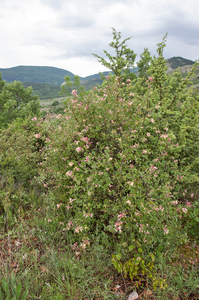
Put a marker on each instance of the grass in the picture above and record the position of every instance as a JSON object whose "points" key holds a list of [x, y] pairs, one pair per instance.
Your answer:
{"points": [[37, 261]]}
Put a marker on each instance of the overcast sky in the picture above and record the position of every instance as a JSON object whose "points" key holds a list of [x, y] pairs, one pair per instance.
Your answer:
{"points": [[64, 34]]}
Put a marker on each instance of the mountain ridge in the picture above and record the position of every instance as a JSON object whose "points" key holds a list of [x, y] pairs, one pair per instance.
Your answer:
{"points": [[46, 81], [55, 76]]}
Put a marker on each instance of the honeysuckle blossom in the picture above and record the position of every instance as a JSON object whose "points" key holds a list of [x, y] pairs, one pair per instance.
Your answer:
{"points": [[78, 229], [79, 149], [74, 93], [34, 119], [84, 244], [174, 202], [38, 135], [69, 173], [164, 136], [86, 215], [85, 139], [71, 164], [166, 231], [121, 215], [118, 226], [69, 225], [189, 204]]}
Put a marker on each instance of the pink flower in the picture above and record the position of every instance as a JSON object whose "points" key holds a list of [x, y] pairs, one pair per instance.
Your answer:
{"points": [[151, 79], [152, 120], [38, 135], [166, 231], [87, 158], [164, 136], [34, 119], [85, 139], [74, 93], [189, 204], [78, 149], [69, 173], [78, 229]]}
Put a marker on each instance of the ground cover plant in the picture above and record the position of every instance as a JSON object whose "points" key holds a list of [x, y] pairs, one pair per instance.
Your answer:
{"points": [[112, 203]]}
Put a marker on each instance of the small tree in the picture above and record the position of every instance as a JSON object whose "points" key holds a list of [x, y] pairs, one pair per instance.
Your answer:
{"points": [[144, 63], [123, 59], [16, 102]]}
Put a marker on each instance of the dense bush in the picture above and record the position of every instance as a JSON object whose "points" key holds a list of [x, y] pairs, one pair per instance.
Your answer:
{"points": [[122, 158], [119, 167], [16, 102]]}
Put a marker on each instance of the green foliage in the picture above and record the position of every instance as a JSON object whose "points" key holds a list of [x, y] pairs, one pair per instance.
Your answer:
{"points": [[144, 64], [20, 154], [124, 57], [70, 85], [55, 103], [139, 266], [118, 168], [116, 163], [44, 90], [17, 102], [36, 74], [10, 289]]}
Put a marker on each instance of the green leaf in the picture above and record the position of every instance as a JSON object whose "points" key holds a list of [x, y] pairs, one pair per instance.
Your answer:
{"points": [[131, 247], [118, 256]]}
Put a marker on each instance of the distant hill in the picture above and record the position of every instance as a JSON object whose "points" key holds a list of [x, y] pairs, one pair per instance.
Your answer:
{"points": [[48, 75], [46, 81], [176, 62], [97, 76]]}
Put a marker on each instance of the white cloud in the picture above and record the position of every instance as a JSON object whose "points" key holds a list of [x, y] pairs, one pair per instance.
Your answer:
{"points": [[65, 33]]}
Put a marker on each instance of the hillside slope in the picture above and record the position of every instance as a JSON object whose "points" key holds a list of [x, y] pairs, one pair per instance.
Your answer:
{"points": [[39, 74]]}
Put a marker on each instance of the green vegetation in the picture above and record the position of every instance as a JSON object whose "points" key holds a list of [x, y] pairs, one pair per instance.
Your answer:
{"points": [[102, 199], [48, 75], [176, 62], [16, 102], [43, 90]]}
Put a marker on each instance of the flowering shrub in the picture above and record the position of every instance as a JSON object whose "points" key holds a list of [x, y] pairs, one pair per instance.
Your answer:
{"points": [[117, 161]]}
